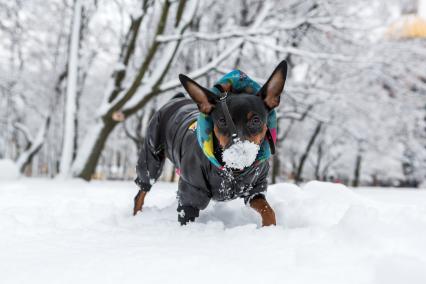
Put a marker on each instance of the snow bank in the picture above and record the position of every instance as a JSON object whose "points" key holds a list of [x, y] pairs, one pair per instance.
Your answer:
{"points": [[8, 170], [78, 232]]}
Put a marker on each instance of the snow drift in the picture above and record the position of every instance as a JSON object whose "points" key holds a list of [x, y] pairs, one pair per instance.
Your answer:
{"points": [[8, 170], [78, 232]]}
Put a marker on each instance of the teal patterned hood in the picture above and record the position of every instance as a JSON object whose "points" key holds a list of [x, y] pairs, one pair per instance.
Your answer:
{"points": [[235, 82]]}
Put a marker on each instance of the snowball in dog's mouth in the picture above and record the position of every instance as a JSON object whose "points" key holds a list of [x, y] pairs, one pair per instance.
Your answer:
{"points": [[240, 155]]}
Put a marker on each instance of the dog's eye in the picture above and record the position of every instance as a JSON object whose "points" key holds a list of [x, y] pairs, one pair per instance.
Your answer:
{"points": [[221, 122], [255, 122]]}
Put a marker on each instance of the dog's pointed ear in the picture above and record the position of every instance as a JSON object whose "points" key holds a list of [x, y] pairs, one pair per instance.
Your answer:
{"points": [[272, 89], [205, 99]]}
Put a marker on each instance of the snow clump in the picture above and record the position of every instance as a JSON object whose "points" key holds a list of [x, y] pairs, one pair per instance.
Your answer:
{"points": [[240, 155]]}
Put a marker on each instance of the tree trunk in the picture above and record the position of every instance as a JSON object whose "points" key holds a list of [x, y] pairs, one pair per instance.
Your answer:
{"points": [[318, 164], [299, 172], [357, 172], [71, 94], [275, 168], [173, 174], [85, 163]]}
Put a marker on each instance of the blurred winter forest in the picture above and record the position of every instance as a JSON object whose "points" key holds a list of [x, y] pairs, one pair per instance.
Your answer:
{"points": [[79, 80]]}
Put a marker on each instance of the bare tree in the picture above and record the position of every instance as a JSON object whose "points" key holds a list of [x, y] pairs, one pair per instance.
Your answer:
{"points": [[121, 102]]}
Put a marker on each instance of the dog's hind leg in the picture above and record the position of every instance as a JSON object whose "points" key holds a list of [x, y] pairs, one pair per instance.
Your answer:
{"points": [[151, 160]]}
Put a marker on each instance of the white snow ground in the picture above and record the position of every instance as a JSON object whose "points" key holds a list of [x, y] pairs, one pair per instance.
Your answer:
{"points": [[8, 170], [78, 232]]}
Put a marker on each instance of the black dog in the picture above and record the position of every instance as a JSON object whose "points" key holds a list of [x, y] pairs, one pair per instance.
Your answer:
{"points": [[235, 117]]}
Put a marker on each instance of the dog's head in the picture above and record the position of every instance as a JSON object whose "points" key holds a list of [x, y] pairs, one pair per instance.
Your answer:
{"points": [[249, 112]]}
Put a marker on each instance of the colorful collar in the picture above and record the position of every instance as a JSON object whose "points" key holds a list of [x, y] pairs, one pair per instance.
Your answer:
{"points": [[236, 82]]}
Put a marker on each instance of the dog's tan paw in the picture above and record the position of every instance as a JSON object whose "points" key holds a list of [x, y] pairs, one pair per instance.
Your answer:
{"points": [[265, 210]]}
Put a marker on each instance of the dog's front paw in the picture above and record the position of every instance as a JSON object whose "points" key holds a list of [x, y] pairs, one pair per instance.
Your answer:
{"points": [[265, 210], [268, 218], [187, 214]]}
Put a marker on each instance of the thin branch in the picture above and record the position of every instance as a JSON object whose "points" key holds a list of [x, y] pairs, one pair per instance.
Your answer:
{"points": [[25, 131], [301, 52], [34, 146], [243, 33]]}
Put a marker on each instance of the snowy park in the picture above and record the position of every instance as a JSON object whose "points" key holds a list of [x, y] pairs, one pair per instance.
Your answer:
{"points": [[213, 141]]}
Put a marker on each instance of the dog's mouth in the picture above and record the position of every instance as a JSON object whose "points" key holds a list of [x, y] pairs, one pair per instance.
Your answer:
{"points": [[240, 154]]}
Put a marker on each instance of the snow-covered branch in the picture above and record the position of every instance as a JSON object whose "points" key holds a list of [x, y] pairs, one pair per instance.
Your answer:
{"points": [[169, 85], [211, 65], [231, 33], [248, 32], [34, 145], [168, 54], [301, 52]]}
